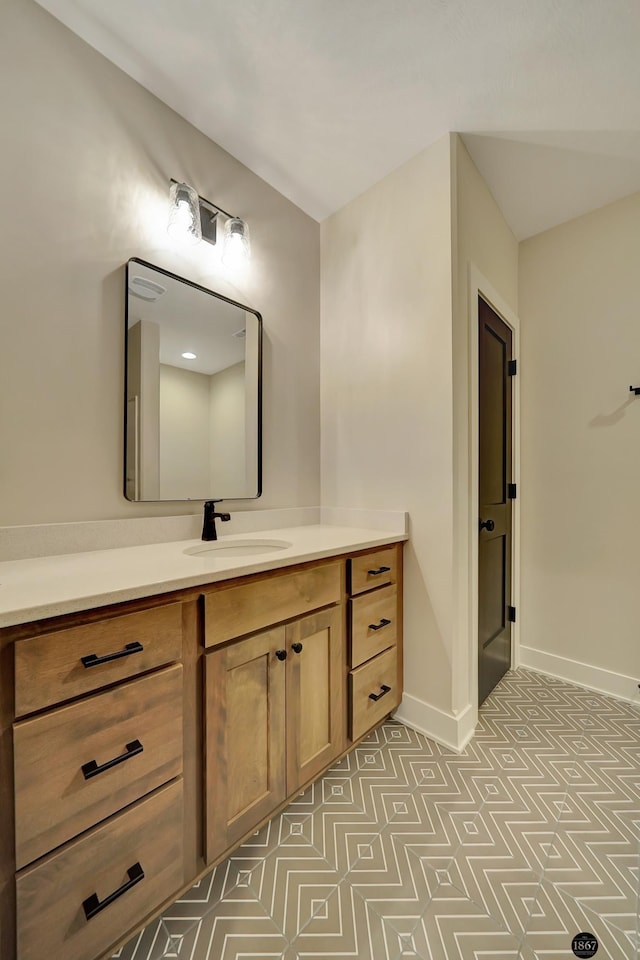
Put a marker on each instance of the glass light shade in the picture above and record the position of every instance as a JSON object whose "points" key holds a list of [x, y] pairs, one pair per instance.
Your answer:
{"points": [[184, 213], [237, 247]]}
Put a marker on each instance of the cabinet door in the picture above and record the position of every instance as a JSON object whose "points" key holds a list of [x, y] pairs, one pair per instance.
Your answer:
{"points": [[245, 736], [315, 694]]}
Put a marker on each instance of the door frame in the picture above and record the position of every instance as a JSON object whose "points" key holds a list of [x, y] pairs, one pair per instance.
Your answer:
{"points": [[480, 286]]}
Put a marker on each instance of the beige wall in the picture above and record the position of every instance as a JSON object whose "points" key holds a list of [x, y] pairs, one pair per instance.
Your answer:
{"points": [[482, 238], [580, 314], [184, 429], [395, 369], [387, 387], [228, 429], [85, 164], [202, 431]]}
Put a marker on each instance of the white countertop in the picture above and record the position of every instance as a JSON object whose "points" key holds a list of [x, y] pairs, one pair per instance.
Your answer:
{"points": [[40, 587]]}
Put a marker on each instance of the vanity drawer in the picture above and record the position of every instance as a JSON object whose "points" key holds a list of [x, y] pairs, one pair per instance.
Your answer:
{"points": [[369, 681], [373, 623], [373, 570], [66, 664], [138, 724], [247, 607], [51, 896]]}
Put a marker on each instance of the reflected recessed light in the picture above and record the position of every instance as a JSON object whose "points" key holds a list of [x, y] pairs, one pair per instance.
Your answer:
{"points": [[189, 356]]}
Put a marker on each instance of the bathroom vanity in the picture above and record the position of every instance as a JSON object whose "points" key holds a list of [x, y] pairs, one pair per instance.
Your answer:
{"points": [[145, 736]]}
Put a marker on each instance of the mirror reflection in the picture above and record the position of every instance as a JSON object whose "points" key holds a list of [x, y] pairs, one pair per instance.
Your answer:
{"points": [[193, 370]]}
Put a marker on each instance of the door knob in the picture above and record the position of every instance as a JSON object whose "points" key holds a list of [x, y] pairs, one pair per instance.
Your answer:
{"points": [[296, 647], [281, 654], [487, 525]]}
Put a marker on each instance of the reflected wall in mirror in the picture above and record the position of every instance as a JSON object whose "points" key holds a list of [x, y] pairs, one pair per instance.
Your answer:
{"points": [[192, 391]]}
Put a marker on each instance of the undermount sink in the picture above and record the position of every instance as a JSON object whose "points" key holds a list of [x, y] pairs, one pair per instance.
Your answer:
{"points": [[237, 548]]}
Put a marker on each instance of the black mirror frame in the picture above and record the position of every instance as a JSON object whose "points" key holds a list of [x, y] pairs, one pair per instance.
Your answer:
{"points": [[219, 296]]}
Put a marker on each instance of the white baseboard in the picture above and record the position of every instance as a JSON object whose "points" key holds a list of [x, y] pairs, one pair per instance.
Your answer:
{"points": [[453, 732], [583, 674]]}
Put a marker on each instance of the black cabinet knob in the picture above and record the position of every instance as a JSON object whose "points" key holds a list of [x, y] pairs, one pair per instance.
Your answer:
{"points": [[281, 654], [487, 525], [296, 647]]}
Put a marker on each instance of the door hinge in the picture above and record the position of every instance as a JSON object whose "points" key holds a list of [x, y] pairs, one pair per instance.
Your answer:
{"points": [[512, 491], [512, 368], [511, 614]]}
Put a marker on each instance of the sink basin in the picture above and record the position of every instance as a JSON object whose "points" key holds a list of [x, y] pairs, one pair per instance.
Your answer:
{"points": [[237, 548]]}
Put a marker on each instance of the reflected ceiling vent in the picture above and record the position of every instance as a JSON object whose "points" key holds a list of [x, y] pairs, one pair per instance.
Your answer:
{"points": [[146, 289], [240, 334]]}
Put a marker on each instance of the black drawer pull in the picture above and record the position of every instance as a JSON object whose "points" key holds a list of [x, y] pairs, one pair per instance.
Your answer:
{"points": [[281, 654], [378, 696], [376, 573], [296, 647], [378, 626], [92, 905], [93, 660], [91, 768]]}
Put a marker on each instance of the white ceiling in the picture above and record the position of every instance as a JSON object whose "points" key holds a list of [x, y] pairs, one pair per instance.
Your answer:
{"points": [[190, 320], [322, 98]]}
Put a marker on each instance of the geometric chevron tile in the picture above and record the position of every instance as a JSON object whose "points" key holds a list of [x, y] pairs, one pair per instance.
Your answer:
{"points": [[347, 927], [337, 834], [556, 918], [405, 849], [151, 944], [230, 933], [454, 928], [393, 880], [293, 889], [597, 865]]}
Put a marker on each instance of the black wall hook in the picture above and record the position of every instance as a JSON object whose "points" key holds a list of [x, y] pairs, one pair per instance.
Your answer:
{"points": [[635, 390]]}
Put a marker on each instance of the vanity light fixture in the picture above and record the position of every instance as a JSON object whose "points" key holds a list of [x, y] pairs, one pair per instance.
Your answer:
{"points": [[184, 213], [236, 242], [192, 218]]}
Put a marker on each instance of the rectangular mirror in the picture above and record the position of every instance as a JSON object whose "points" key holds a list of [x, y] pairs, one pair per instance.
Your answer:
{"points": [[192, 391]]}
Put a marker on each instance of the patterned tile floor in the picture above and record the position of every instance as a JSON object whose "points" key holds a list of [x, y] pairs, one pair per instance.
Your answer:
{"points": [[405, 849]]}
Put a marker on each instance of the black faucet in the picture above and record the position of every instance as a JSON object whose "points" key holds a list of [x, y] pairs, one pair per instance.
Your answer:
{"points": [[209, 531]]}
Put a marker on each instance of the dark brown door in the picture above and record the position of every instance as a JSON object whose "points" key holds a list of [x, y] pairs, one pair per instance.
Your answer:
{"points": [[494, 541]]}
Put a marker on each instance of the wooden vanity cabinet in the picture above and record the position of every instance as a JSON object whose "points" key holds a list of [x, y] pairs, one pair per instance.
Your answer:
{"points": [[315, 695], [74, 904], [274, 704], [245, 773], [98, 751], [141, 742], [375, 637], [63, 781]]}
